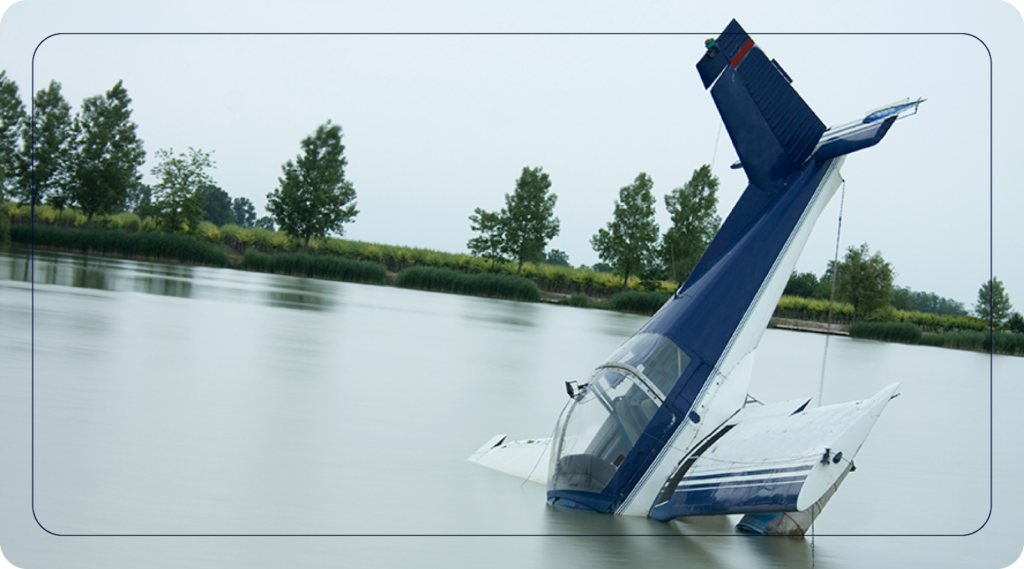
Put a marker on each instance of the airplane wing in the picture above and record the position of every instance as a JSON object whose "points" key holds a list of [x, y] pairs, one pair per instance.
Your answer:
{"points": [[778, 458], [525, 458]]}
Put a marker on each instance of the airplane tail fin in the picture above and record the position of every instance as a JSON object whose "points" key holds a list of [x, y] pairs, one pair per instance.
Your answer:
{"points": [[773, 129]]}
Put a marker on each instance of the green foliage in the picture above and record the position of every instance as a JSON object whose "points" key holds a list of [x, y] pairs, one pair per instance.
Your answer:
{"points": [[265, 222], [523, 227], [557, 258], [801, 284], [864, 281], [904, 332], [907, 333], [12, 117], [906, 299], [490, 244], [143, 245], [480, 284], [314, 198], [178, 196], [695, 220], [813, 309], [1016, 323], [646, 302], [315, 266], [140, 199], [244, 213], [528, 217], [109, 153], [628, 243], [579, 300], [48, 164], [217, 206], [993, 302], [208, 232], [5, 229]]}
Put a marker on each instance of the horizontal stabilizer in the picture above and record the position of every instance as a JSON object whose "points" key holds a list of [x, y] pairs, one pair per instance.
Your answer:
{"points": [[778, 458], [863, 133], [527, 459]]}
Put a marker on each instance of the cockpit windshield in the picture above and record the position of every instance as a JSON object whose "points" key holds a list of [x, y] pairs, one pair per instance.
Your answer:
{"points": [[611, 411]]}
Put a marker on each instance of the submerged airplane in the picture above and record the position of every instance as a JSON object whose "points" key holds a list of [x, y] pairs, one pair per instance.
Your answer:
{"points": [[665, 426]]}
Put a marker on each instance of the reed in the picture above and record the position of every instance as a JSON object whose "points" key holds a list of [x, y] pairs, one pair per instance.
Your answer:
{"points": [[903, 332], [1006, 343], [639, 302], [478, 284], [315, 266], [141, 245], [580, 300]]}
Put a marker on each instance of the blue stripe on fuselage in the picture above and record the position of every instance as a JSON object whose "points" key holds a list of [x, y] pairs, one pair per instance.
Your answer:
{"points": [[709, 311]]}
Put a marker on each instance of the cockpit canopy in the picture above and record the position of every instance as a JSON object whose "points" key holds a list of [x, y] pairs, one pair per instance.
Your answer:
{"points": [[609, 413]]}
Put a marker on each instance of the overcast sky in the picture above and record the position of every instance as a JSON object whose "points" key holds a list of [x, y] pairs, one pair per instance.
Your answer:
{"points": [[437, 125]]}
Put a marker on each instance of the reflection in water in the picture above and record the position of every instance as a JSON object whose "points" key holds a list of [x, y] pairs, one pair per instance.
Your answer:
{"points": [[301, 293], [501, 313], [180, 281], [709, 542], [163, 286]]}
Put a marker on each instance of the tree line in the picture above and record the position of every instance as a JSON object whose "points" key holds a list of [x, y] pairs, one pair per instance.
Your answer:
{"points": [[865, 280], [91, 161], [629, 245]]}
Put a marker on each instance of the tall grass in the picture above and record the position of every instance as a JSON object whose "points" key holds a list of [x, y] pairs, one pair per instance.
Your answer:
{"points": [[639, 302], [479, 284], [886, 331], [315, 266], [143, 245], [1002, 342]]}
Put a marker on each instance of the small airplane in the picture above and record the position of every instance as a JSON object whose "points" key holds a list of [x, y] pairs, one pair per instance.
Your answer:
{"points": [[665, 426]]}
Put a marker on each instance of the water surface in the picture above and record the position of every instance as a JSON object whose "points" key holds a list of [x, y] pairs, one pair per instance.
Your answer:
{"points": [[172, 400]]}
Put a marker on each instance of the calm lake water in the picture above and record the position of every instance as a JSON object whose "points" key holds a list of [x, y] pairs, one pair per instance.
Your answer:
{"points": [[218, 418]]}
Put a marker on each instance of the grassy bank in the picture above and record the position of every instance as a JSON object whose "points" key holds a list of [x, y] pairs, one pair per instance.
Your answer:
{"points": [[1001, 342], [479, 284], [143, 245], [317, 267]]}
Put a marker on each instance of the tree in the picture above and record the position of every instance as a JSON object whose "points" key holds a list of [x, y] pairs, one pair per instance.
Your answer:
{"points": [[139, 200], [12, 117], [695, 220], [864, 281], [904, 298], [178, 197], [244, 212], [490, 244], [265, 222], [109, 153], [528, 217], [1016, 323], [314, 198], [216, 206], [628, 243], [801, 284], [523, 227], [993, 302], [48, 148], [557, 258]]}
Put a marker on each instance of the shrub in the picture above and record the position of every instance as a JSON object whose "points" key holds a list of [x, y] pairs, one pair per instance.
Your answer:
{"points": [[182, 248], [315, 266], [479, 284], [887, 331], [639, 302], [579, 300]]}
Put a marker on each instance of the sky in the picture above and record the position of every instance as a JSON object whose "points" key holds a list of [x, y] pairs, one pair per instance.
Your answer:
{"points": [[594, 92]]}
